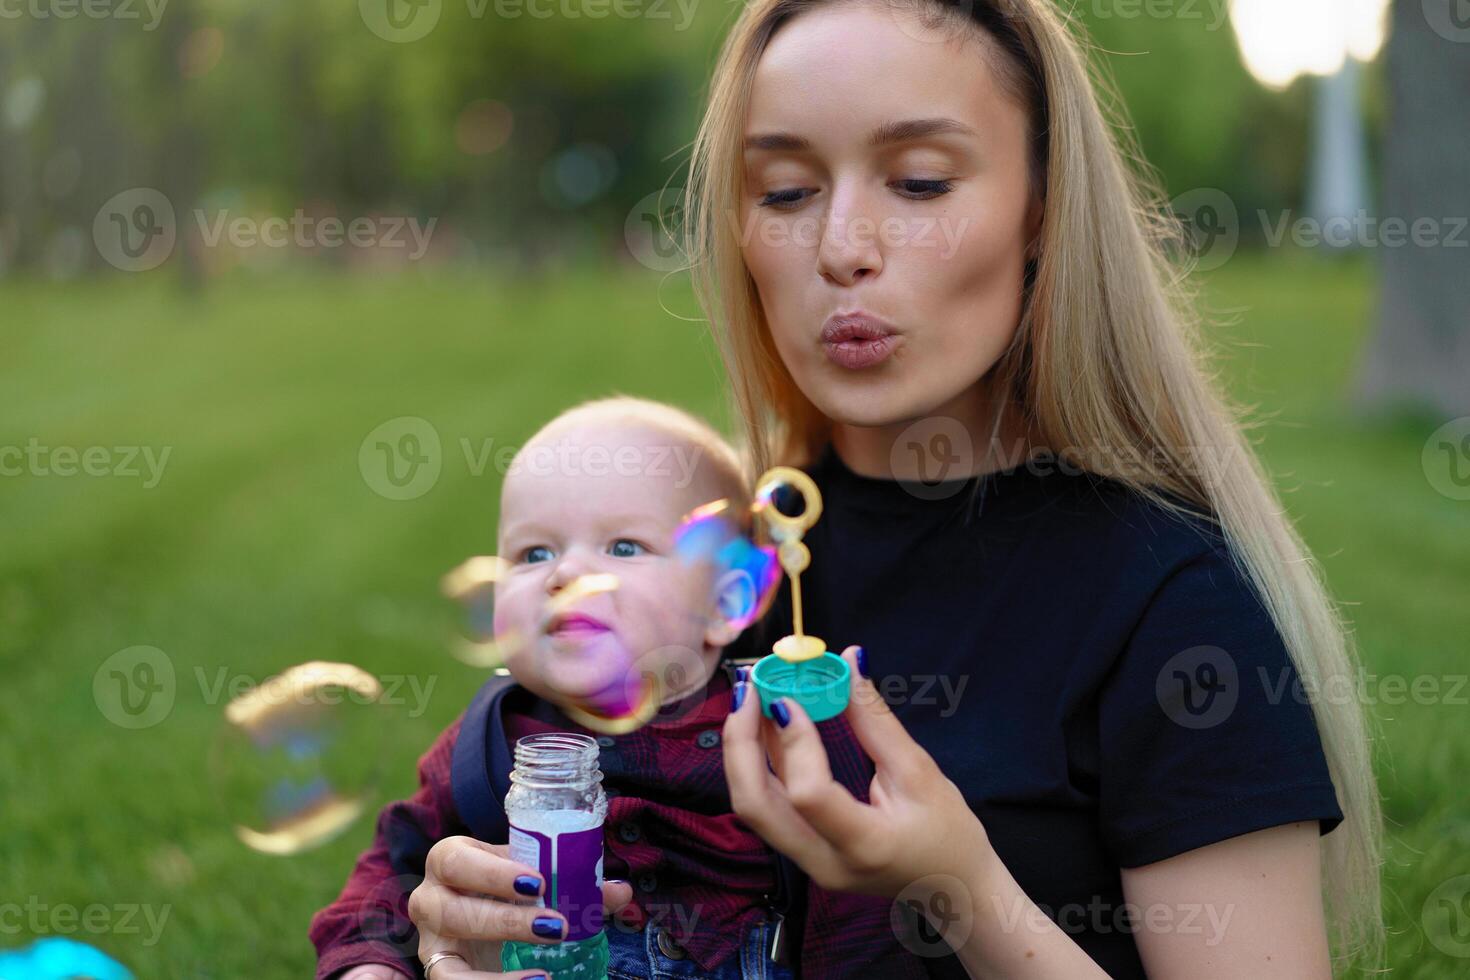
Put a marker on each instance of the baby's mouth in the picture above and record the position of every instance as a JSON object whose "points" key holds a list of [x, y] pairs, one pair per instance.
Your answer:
{"points": [[575, 625]]}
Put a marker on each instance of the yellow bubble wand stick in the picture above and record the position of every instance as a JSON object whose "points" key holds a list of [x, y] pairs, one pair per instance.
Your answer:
{"points": [[799, 667]]}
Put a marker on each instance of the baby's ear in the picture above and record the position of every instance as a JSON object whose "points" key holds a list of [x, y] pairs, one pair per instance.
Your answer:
{"points": [[735, 599]]}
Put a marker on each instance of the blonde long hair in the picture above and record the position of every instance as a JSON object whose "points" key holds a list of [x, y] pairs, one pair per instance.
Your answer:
{"points": [[1106, 357]]}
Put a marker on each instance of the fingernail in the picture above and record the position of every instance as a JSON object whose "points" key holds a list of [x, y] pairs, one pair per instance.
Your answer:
{"points": [[742, 674], [546, 927], [862, 662], [536, 976], [780, 712], [615, 881], [527, 884], [739, 695]]}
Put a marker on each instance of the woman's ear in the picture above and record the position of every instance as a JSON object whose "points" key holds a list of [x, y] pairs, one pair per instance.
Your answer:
{"points": [[735, 599]]}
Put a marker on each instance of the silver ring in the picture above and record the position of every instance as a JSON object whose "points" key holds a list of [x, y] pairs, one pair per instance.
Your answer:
{"points": [[434, 960]]}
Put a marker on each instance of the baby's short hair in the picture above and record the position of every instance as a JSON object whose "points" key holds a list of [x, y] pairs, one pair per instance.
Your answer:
{"points": [[719, 460]]}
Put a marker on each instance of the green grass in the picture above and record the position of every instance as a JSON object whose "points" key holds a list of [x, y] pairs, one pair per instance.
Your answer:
{"points": [[262, 546]]}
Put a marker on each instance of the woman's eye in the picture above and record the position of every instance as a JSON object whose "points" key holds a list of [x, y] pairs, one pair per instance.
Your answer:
{"points": [[626, 548], [923, 190], [782, 199], [536, 553]]}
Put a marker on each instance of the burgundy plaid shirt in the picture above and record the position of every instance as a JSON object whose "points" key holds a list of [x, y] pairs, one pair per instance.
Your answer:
{"points": [[697, 870]]}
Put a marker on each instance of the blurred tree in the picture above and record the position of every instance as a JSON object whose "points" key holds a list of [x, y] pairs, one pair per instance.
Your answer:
{"points": [[1420, 355]]}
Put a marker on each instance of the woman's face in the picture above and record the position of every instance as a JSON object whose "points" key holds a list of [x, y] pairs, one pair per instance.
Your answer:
{"points": [[925, 230]]}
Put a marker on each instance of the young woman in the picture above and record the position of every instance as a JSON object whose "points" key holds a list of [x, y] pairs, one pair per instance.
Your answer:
{"points": [[923, 254]]}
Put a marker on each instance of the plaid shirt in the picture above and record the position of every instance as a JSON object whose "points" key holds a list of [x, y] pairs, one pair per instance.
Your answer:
{"points": [[696, 869]]}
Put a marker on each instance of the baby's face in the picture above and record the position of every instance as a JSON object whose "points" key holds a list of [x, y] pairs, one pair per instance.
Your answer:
{"points": [[606, 498]]}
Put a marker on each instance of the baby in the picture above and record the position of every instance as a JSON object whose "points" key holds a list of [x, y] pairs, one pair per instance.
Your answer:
{"points": [[600, 492]]}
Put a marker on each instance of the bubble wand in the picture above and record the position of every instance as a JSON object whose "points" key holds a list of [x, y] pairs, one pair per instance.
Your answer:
{"points": [[799, 667]]}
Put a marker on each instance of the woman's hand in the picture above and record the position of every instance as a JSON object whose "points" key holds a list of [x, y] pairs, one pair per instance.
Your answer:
{"points": [[916, 832], [473, 899]]}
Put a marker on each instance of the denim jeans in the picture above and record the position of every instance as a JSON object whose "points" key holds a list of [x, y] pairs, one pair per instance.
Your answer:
{"points": [[639, 956]]}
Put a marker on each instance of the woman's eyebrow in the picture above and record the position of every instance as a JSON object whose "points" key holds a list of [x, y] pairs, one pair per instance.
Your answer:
{"points": [[897, 131]]}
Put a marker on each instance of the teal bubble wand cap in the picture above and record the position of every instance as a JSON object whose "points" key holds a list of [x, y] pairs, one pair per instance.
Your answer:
{"points": [[799, 666]]}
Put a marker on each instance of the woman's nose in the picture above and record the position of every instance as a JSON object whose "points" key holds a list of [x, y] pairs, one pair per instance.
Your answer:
{"points": [[850, 249]]}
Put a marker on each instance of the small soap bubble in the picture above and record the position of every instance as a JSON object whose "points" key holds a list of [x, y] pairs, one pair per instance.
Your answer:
{"points": [[297, 759], [475, 584]]}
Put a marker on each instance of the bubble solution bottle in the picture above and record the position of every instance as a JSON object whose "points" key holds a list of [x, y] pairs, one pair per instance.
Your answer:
{"points": [[556, 809]]}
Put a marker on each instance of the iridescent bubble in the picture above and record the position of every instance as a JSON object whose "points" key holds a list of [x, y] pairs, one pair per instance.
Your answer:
{"points": [[475, 584], [713, 534], [297, 759]]}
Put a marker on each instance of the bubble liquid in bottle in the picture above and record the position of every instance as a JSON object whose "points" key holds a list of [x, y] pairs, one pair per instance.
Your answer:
{"points": [[556, 809]]}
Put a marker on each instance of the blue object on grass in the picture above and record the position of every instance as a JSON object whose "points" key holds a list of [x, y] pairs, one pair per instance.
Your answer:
{"points": [[60, 959]]}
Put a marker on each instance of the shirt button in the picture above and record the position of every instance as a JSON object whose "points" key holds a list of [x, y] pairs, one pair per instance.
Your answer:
{"points": [[708, 739], [669, 947], [606, 741], [648, 882], [630, 833]]}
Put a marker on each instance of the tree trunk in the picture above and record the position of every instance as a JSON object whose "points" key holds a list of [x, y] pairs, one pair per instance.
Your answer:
{"points": [[1420, 356]]}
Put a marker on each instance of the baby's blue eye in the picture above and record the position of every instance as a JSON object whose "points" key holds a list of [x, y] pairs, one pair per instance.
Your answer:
{"points": [[626, 548], [536, 553]]}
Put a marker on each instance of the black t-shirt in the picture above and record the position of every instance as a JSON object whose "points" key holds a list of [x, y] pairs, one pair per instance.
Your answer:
{"points": [[1093, 672]]}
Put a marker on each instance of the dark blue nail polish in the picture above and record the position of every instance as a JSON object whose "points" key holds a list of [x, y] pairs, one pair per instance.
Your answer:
{"points": [[537, 976], [742, 674], [546, 927], [780, 712], [862, 662], [739, 695], [527, 884]]}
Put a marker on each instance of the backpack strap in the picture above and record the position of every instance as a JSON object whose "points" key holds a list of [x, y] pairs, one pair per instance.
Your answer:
{"points": [[481, 764]]}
